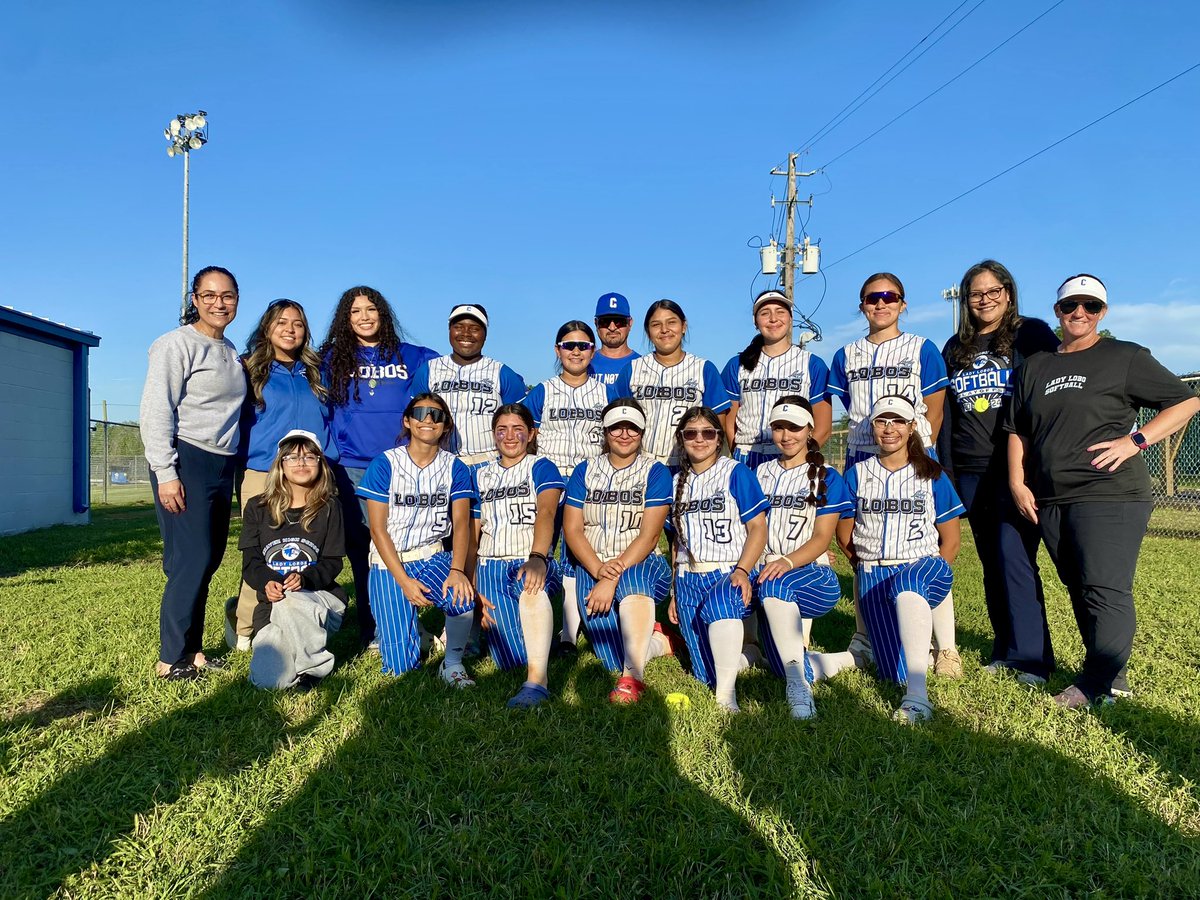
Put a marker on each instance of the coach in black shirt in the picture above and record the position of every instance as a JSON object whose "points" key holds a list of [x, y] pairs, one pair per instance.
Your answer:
{"points": [[1075, 468]]}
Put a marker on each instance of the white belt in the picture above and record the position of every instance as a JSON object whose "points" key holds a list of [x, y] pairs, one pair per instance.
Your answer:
{"points": [[503, 558], [415, 555], [471, 459], [875, 563], [700, 568], [822, 560]]}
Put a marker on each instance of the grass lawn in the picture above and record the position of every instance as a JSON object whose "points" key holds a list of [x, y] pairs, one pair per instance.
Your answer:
{"points": [[112, 783]]}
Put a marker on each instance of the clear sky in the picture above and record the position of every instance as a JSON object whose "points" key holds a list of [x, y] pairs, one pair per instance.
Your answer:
{"points": [[533, 155]]}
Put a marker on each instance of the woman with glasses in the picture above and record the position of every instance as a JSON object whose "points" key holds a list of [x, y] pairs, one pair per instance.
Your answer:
{"points": [[368, 367], [518, 496], [566, 412], [993, 340], [1076, 469], [768, 368], [191, 405], [418, 496], [616, 506], [285, 393]]}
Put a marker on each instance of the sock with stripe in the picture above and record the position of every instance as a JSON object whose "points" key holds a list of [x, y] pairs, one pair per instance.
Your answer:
{"points": [[725, 636], [636, 614], [916, 625], [944, 637], [787, 629], [537, 625], [458, 632], [570, 609]]}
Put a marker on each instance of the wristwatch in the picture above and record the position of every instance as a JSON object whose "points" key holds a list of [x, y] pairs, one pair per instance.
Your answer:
{"points": [[1140, 440]]}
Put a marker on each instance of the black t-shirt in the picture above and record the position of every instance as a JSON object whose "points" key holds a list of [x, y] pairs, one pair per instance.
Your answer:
{"points": [[271, 554], [1066, 402], [979, 394]]}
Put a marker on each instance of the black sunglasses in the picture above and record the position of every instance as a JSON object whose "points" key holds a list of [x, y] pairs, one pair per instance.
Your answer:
{"points": [[1093, 307], [575, 345], [888, 297], [692, 434], [283, 301], [610, 321], [432, 413]]}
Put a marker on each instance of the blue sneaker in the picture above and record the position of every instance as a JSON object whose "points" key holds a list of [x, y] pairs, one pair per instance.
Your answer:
{"points": [[529, 696]]}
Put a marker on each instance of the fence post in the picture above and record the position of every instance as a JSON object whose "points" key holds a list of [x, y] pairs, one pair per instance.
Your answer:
{"points": [[104, 415]]}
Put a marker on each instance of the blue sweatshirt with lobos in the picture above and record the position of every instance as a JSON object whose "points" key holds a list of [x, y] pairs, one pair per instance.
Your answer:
{"points": [[290, 403], [367, 425]]}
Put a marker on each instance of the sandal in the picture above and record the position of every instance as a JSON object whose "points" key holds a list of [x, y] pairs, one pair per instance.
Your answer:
{"points": [[913, 711], [181, 671], [529, 696], [628, 690], [216, 663]]}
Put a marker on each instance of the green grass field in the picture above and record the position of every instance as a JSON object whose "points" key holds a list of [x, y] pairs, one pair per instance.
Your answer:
{"points": [[115, 784]]}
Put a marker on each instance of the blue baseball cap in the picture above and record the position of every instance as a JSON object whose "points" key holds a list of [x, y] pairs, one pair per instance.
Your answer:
{"points": [[613, 305]]}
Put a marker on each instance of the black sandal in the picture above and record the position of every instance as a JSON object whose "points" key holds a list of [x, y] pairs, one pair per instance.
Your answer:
{"points": [[181, 671]]}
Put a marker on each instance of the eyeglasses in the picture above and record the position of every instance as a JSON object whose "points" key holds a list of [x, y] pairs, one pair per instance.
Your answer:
{"points": [[307, 459], [790, 427], [516, 431], [699, 434], [432, 413], [889, 424], [569, 346], [623, 428], [208, 298], [1093, 307], [992, 293], [614, 322], [876, 297]]}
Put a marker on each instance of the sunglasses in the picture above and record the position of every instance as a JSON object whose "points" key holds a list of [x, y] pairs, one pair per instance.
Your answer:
{"points": [[876, 297], [699, 434], [283, 301], [1093, 307], [432, 413], [613, 322], [569, 346]]}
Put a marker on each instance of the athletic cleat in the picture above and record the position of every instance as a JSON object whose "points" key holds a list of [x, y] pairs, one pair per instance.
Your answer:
{"points": [[529, 696], [672, 638], [913, 711], [948, 664], [799, 696], [628, 690], [860, 649], [1120, 688], [373, 647], [1071, 698], [455, 676]]}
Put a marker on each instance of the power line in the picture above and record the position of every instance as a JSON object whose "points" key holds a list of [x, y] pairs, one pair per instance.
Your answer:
{"points": [[1017, 165], [946, 84]]}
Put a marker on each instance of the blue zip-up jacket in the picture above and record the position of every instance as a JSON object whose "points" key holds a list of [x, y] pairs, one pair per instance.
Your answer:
{"points": [[290, 403]]}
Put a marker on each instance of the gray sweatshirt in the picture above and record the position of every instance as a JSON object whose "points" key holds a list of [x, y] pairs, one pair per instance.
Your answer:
{"points": [[195, 387]]}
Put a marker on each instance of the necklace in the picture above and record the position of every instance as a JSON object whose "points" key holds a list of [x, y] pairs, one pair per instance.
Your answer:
{"points": [[372, 383]]}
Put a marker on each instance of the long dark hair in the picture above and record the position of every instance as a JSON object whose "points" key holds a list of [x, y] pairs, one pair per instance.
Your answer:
{"points": [[962, 345], [565, 329], [620, 401], [260, 353], [817, 491], [191, 315], [748, 358], [339, 350], [924, 466], [521, 411], [685, 464], [440, 402], [669, 306]]}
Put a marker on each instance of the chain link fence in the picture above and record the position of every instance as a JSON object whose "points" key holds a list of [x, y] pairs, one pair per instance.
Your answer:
{"points": [[119, 472], [1175, 470]]}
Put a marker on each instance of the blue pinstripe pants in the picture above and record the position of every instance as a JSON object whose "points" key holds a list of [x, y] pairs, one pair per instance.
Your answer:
{"points": [[753, 458], [396, 617], [878, 588], [813, 588], [700, 600], [649, 578], [496, 579]]}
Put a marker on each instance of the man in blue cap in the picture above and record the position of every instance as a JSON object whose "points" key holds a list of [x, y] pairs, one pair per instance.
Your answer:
{"points": [[613, 323]]}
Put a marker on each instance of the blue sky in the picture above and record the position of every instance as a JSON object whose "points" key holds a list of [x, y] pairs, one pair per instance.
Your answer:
{"points": [[531, 156]]}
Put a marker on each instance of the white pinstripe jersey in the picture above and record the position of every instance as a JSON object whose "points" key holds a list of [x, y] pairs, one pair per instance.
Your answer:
{"points": [[666, 392], [791, 518], [418, 499], [772, 378], [713, 509], [877, 370], [613, 500], [568, 420], [896, 513], [473, 393], [506, 504]]}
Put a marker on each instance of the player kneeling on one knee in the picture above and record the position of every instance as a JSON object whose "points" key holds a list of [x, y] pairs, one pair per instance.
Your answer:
{"points": [[417, 496], [616, 506], [902, 539], [517, 499], [719, 522], [805, 499]]}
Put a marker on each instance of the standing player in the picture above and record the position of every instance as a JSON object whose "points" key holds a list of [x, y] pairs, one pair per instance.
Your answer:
{"points": [[768, 368], [668, 381], [797, 584], [518, 496], [616, 507], [613, 322], [473, 385], [566, 411], [902, 540], [417, 496]]}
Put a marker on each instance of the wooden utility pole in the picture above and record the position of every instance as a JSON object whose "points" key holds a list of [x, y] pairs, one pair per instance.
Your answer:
{"points": [[789, 241]]}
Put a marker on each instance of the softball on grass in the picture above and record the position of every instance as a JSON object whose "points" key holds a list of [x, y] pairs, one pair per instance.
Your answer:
{"points": [[678, 700]]}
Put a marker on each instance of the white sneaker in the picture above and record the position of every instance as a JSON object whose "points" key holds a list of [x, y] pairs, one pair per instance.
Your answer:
{"points": [[799, 697], [1030, 678], [860, 649], [729, 706], [455, 676]]}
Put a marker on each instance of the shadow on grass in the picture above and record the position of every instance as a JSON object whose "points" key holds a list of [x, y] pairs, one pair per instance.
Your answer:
{"points": [[941, 810], [446, 793], [81, 702], [117, 534]]}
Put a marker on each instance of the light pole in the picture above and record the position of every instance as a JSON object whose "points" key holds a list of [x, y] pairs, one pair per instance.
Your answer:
{"points": [[186, 133], [952, 295]]}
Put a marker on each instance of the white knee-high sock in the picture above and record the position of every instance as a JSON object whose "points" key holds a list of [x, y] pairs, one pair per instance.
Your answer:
{"points": [[916, 625], [944, 637], [458, 632], [659, 646], [807, 625], [570, 609], [637, 626], [787, 629], [537, 624], [725, 636], [826, 665]]}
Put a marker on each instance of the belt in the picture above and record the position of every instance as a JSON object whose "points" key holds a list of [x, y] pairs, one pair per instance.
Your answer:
{"points": [[503, 558], [415, 555], [701, 568], [472, 459], [822, 560], [876, 563]]}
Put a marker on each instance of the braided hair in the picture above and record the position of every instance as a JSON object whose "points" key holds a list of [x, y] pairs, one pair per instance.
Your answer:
{"points": [[339, 351], [685, 466], [817, 490]]}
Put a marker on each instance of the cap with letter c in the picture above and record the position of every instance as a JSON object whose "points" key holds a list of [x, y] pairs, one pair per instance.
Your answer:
{"points": [[613, 305], [469, 311], [894, 405]]}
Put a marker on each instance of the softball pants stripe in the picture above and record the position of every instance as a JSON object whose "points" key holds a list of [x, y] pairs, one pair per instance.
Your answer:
{"points": [[649, 578], [396, 618], [879, 586], [496, 579], [700, 600]]}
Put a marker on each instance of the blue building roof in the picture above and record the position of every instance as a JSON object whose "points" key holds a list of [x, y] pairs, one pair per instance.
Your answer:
{"points": [[35, 326]]}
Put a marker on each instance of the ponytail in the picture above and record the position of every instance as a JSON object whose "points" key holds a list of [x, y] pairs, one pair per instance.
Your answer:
{"points": [[924, 466], [685, 469], [748, 358], [817, 490]]}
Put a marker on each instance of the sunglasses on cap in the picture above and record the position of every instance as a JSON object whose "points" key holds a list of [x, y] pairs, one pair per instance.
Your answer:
{"points": [[575, 345], [876, 297], [699, 434], [432, 413], [1093, 307]]}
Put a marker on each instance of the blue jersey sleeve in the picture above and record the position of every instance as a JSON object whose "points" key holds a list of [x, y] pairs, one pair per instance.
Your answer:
{"points": [[546, 476], [620, 387], [460, 482], [837, 496], [933, 370], [658, 486], [818, 378], [512, 385], [716, 397], [577, 486], [729, 378], [420, 379], [850, 482], [747, 492], [476, 506], [838, 385], [377, 482], [946, 503], [534, 401]]}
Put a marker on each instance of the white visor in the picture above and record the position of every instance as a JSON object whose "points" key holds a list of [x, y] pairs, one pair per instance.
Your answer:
{"points": [[897, 406], [772, 297], [300, 433], [1083, 286], [469, 309], [624, 414], [791, 412]]}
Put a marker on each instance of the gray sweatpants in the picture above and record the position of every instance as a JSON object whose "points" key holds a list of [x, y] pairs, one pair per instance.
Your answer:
{"points": [[293, 643]]}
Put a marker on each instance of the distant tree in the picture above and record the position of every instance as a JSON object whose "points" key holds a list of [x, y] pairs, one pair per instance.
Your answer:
{"points": [[1104, 333]]}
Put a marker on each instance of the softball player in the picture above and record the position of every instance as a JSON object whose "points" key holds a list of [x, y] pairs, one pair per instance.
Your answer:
{"points": [[796, 585], [417, 496], [517, 500], [566, 411], [719, 522], [768, 368], [616, 507], [902, 540], [668, 381], [473, 385]]}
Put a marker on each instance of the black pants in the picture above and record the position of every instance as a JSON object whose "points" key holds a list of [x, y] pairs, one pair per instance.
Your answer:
{"points": [[358, 545], [193, 546], [1007, 544], [1095, 547]]}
